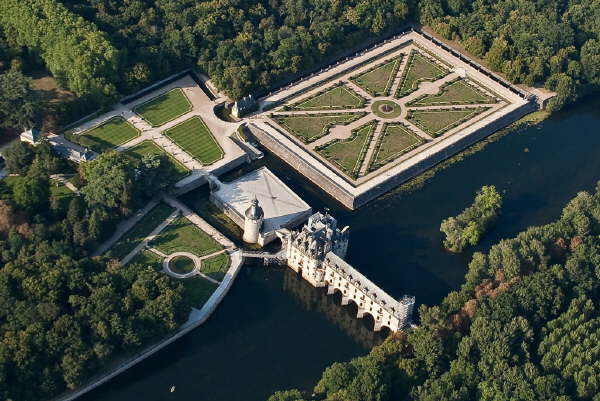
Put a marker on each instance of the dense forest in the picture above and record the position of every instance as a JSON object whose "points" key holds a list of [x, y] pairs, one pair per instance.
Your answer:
{"points": [[63, 314], [525, 325], [105, 48]]}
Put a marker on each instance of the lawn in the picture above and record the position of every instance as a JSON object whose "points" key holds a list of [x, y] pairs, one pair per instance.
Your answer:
{"points": [[193, 136], [395, 141], [338, 97], [182, 265], [61, 193], [137, 152], [164, 108], [456, 92], [148, 258], [438, 121], [418, 69], [216, 266], [310, 127], [349, 154], [108, 135], [184, 236], [197, 290], [138, 232], [378, 81]]}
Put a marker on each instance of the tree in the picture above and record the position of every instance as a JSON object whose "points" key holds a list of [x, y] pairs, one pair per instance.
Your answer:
{"points": [[32, 192], [18, 157], [19, 104], [154, 173], [108, 181]]}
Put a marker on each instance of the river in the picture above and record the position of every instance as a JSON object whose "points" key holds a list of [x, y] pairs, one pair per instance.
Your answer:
{"points": [[274, 331]]}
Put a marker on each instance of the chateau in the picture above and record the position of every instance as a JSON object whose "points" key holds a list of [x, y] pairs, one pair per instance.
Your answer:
{"points": [[317, 252]]}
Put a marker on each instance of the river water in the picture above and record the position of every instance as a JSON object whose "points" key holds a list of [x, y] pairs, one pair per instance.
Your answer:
{"points": [[273, 331]]}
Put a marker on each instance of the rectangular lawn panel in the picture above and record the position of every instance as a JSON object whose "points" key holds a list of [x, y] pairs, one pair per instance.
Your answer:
{"points": [[310, 127], [193, 136], [338, 97], [456, 92], [418, 69], [184, 236], [107, 135], [164, 108], [216, 266], [197, 290], [378, 81], [395, 140], [349, 154], [438, 121], [148, 258], [141, 230], [137, 152]]}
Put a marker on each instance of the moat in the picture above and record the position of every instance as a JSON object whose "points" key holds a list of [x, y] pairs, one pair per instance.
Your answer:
{"points": [[274, 331]]}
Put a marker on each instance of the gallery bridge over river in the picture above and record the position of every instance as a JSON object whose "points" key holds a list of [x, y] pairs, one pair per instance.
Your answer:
{"points": [[316, 252]]}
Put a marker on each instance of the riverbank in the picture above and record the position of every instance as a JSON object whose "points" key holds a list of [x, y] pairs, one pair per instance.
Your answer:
{"points": [[197, 318], [419, 181]]}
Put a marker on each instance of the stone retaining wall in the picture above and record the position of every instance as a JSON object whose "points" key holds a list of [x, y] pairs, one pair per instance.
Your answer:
{"points": [[443, 154]]}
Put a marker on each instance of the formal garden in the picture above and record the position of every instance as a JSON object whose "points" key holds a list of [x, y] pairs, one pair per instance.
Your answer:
{"points": [[107, 135], [436, 122], [136, 154], [419, 68], [194, 137], [349, 154], [378, 80], [394, 141], [164, 108], [336, 98], [310, 127], [397, 104]]}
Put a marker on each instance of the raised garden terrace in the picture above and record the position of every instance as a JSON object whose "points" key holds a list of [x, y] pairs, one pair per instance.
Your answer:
{"points": [[164, 108], [194, 137], [372, 115]]}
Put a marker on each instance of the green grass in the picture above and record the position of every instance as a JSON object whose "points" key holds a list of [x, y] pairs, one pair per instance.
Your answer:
{"points": [[348, 154], [138, 232], [164, 108], [182, 265], [418, 69], [395, 141], [310, 127], [148, 258], [216, 266], [395, 112], [108, 135], [378, 81], [184, 236], [438, 121], [61, 193], [456, 92], [193, 136], [197, 290], [339, 97], [137, 152]]}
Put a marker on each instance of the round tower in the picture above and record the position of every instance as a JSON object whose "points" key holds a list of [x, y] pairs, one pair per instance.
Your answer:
{"points": [[253, 219]]}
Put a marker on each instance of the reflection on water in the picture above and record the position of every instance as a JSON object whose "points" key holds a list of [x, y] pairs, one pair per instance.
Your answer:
{"points": [[344, 317]]}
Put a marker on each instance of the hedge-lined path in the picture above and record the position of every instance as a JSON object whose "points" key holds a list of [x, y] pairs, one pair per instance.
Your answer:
{"points": [[371, 149]]}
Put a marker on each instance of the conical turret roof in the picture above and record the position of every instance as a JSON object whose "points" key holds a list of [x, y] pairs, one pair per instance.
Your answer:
{"points": [[254, 212]]}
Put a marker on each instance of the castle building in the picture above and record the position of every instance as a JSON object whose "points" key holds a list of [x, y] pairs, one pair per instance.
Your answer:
{"points": [[244, 106], [316, 252], [253, 220]]}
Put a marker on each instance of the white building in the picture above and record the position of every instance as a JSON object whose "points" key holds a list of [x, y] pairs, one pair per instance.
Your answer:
{"points": [[279, 206], [317, 252], [32, 136]]}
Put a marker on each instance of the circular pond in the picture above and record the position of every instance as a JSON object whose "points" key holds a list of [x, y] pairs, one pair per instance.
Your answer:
{"points": [[182, 265], [386, 109]]}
